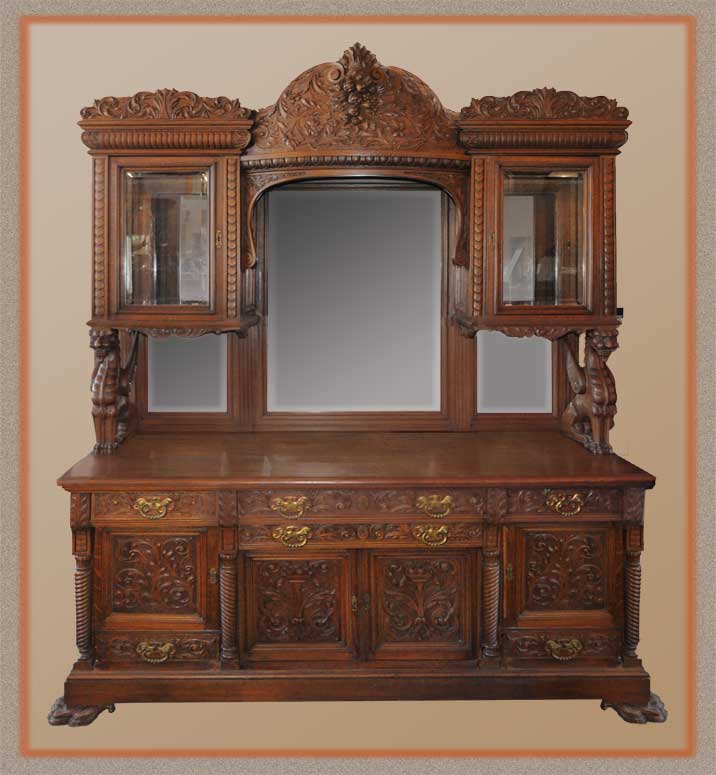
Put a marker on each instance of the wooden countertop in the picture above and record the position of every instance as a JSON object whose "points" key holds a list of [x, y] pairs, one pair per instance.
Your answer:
{"points": [[224, 460]]}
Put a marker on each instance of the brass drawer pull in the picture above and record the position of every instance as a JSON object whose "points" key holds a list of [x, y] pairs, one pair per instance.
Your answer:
{"points": [[432, 535], [153, 508], [435, 506], [565, 505], [155, 652], [291, 507], [564, 650], [293, 537]]}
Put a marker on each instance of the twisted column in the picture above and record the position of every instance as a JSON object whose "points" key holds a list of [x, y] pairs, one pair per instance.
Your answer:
{"points": [[228, 606]]}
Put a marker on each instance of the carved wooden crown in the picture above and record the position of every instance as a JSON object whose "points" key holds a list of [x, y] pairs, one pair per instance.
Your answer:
{"points": [[355, 104]]}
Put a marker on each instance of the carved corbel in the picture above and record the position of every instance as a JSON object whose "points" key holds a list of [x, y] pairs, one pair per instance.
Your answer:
{"points": [[589, 416], [111, 386]]}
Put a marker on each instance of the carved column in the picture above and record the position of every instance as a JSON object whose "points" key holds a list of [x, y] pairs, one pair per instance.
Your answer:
{"points": [[490, 594], [82, 551], [632, 592], [589, 416], [228, 586]]}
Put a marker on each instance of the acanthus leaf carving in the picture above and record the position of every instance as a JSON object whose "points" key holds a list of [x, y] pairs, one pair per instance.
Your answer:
{"points": [[544, 103], [165, 104], [355, 103]]}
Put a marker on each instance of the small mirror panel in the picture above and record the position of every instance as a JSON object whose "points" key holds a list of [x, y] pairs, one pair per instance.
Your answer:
{"points": [[166, 255], [513, 375], [354, 297], [543, 242], [187, 375]]}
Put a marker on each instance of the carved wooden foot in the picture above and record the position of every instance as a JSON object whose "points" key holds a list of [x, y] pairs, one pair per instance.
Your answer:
{"points": [[78, 716], [654, 710]]}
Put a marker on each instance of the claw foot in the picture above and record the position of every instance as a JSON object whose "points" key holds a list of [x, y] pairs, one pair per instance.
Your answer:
{"points": [[77, 716], [654, 710]]}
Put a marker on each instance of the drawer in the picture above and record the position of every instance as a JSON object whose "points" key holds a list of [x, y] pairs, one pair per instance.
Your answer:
{"points": [[156, 649], [307, 503], [549, 648], [568, 502], [296, 535], [155, 507]]}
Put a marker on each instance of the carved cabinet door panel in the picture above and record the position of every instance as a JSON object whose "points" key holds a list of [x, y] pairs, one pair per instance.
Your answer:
{"points": [[422, 604], [297, 606], [557, 575], [156, 579]]}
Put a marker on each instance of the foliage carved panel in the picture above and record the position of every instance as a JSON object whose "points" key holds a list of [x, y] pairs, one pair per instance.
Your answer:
{"points": [[154, 574], [297, 601], [420, 599], [565, 570]]}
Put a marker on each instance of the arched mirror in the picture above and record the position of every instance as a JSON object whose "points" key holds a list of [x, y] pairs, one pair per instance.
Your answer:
{"points": [[354, 295]]}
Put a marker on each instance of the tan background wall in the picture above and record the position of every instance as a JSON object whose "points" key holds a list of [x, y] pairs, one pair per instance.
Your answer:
{"points": [[644, 66]]}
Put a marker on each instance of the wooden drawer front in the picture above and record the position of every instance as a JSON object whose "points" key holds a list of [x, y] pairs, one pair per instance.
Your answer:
{"points": [[298, 608], [551, 648], [155, 507], [160, 650], [564, 503], [297, 535], [421, 605], [304, 504]]}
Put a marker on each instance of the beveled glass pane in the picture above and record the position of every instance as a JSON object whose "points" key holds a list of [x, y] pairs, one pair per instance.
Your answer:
{"points": [[543, 238], [187, 375], [354, 288], [513, 375], [166, 238]]}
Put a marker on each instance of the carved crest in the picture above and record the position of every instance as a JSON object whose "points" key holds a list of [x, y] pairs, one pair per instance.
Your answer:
{"points": [[355, 103], [544, 104], [166, 104]]}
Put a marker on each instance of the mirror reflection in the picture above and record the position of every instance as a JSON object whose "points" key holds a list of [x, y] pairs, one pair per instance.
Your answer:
{"points": [[354, 296]]}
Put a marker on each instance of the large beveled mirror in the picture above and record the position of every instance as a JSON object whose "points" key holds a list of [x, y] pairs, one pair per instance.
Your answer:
{"points": [[354, 280]]}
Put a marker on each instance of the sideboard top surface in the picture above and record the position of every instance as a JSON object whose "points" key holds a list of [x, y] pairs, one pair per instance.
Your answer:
{"points": [[218, 460]]}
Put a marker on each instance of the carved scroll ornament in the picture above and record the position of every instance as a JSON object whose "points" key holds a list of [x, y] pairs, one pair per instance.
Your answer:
{"points": [[355, 103], [544, 103], [165, 104]]}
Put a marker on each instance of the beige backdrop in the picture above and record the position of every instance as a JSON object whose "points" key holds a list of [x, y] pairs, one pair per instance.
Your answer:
{"points": [[644, 66]]}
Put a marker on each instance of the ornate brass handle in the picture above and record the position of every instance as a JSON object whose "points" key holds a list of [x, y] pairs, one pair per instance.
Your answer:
{"points": [[293, 537], [564, 649], [435, 506], [290, 507], [565, 505], [154, 652], [432, 535], [153, 508]]}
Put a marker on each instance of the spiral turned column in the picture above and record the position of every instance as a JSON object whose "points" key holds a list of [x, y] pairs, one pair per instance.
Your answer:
{"points": [[490, 602], [228, 605], [83, 607], [632, 596]]}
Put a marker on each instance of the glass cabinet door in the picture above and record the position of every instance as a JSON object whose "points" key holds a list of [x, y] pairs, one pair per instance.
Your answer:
{"points": [[544, 238], [166, 248]]}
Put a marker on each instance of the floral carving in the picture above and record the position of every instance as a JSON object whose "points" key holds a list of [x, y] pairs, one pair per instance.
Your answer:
{"points": [[565, 570], [535, 501], [166, 104], [420, 600], [544, 103], [190, 647], [534, 645], [154, 574], [355, 103]]}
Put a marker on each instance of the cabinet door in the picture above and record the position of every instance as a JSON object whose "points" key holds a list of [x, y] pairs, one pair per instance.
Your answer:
{"points": [[165, 236], [563, 575], [156, 579], [297, 607], [543, 236], [422, 604]]}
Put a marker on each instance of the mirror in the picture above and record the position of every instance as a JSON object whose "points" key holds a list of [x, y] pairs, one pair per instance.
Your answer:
{"points": [[166, 238], [187, 375], [354, 280], [513, 375], [543, 243]]}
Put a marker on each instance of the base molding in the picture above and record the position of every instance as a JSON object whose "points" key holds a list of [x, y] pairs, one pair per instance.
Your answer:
{"points": [[97, 688]]}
